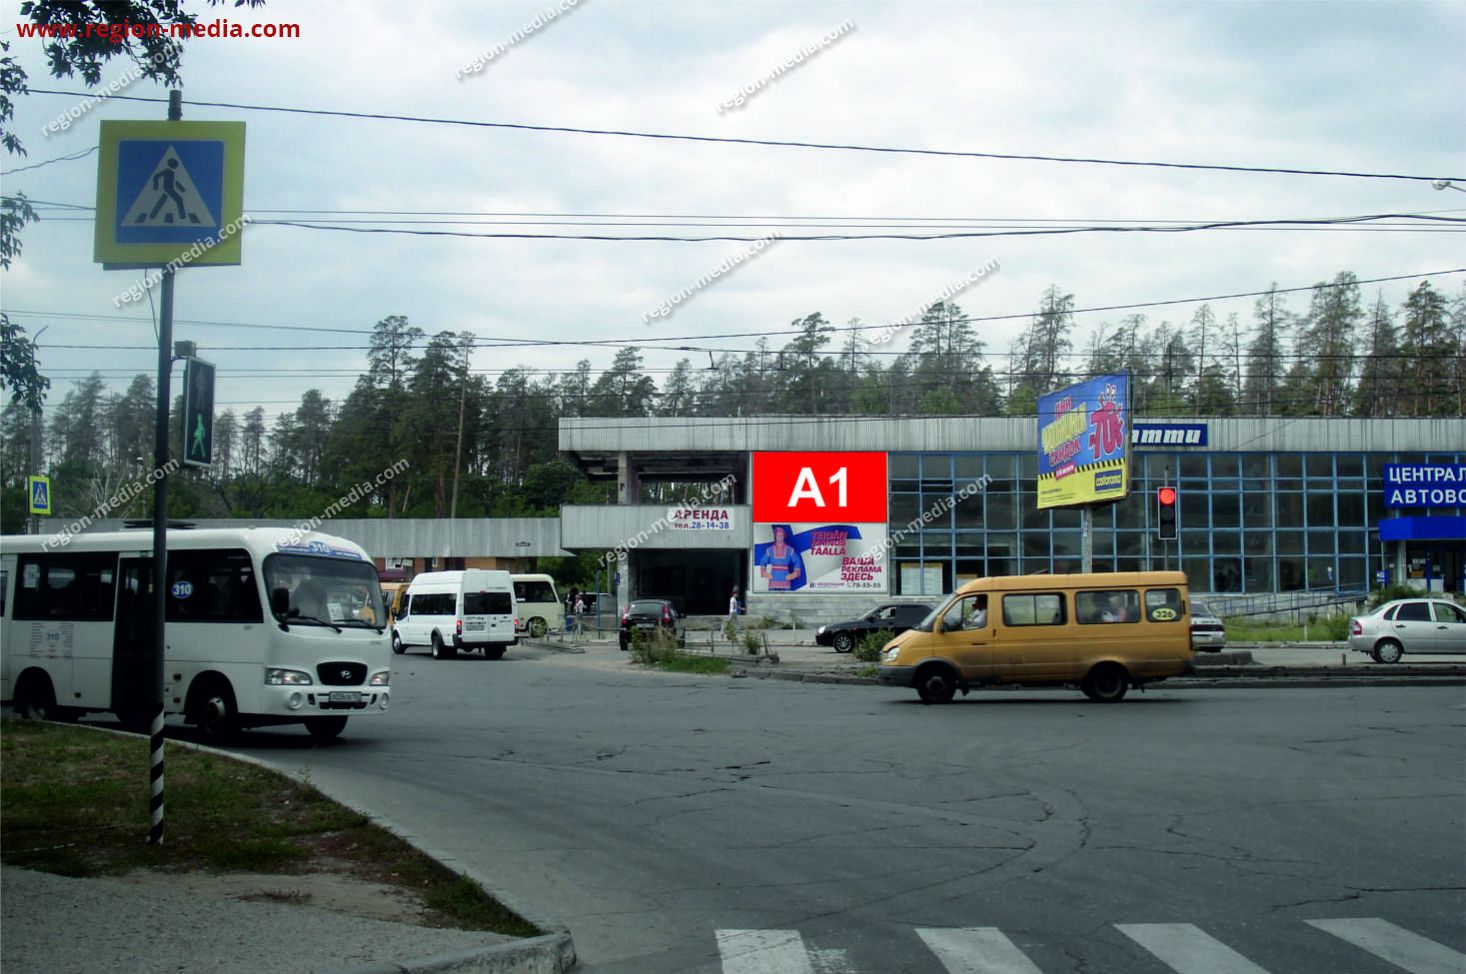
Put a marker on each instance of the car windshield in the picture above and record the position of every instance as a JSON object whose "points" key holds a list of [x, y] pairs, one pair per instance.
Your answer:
{"points": [[929, 620], [326, 591], [1200, 609]]}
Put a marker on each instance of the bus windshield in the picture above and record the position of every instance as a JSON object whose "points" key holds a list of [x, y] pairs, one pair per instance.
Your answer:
{"points": [[326, 591]]}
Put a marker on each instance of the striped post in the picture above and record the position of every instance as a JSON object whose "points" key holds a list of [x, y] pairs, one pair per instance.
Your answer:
{"points": [[155, 781]]}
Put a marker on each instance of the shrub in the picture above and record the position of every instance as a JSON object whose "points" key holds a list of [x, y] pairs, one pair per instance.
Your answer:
{"points": [[752, 644], [730, 631], [869, 648], [1389, 593]]}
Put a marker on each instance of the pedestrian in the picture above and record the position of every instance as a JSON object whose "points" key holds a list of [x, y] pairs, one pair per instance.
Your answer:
{"points": [[579, 615], [735, 608]]}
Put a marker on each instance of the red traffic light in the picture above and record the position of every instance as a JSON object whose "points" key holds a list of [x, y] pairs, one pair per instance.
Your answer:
{"points": [[1166, 495]]}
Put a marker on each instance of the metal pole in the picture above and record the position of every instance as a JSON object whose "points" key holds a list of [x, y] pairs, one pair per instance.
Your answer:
{"points": [[1086, 539], [160, 532], [35, 519]]}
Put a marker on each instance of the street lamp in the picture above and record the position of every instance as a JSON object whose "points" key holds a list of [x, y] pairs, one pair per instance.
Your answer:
{"points": [[1447, 184]]}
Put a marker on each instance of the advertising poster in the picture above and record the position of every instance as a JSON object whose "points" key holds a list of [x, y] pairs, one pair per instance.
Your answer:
{"points": [[819, 557], [819, 523], [1082, 441]]}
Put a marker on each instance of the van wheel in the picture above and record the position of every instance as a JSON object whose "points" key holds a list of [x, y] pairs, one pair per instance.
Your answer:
{"points": [[325, 728], [36, 700], [214, 711], [1106, 683], [935, 684], [397, 646], [1389, 651], [493, 652], [537, 628], [442, 650], [843, 642]]}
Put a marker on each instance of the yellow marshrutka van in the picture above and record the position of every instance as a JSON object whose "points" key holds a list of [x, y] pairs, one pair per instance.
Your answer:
{"points": [[1105, 633]]}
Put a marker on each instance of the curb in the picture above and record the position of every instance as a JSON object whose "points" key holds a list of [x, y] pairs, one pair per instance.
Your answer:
{"points": [[550, 954], [1229, 677]]}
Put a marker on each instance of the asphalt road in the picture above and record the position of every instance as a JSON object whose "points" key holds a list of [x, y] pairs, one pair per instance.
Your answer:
{"points": [[689, 824]]}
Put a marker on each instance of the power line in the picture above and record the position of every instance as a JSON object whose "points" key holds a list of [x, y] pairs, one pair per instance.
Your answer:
{"points": [[642, 342], [770, 143]]}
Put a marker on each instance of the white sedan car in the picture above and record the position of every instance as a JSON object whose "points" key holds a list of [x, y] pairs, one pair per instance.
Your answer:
{"points": [[1208, 634], [1409, 626]]}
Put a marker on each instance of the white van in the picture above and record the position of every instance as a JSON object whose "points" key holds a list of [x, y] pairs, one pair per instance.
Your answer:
{"points": [[458, 610], [539, 605]]}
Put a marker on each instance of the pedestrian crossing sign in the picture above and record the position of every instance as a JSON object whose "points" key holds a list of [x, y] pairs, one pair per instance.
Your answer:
{"points": [[39, 489], [169, 191]]}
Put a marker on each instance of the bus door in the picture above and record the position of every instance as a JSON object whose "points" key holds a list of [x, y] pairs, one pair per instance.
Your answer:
{"points": [[132, 653]]}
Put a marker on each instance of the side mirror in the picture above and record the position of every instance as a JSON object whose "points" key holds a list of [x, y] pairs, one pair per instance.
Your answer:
{"points": [[280, 601]]}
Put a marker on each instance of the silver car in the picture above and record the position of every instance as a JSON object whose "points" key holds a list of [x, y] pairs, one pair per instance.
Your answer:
{"points": [[1409, 626], [1208, 634]]}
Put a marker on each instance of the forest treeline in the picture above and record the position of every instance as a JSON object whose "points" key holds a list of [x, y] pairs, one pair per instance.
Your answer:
{"points": [[486, 444]]}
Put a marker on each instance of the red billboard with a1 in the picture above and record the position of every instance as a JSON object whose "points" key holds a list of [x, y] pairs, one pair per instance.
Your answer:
{"points": [[825, 487]]}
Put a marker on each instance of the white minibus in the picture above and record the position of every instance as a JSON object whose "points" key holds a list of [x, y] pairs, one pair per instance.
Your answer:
{"points": [[539, 605], [263, 626], [466, 609]]}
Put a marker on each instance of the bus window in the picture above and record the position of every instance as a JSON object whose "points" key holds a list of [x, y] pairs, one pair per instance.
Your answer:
{"points": [[77, 588], [212, 585]]}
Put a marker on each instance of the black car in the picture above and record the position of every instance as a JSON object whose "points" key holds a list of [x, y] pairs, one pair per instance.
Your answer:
{"points": [[649, 615], [895, 616]]}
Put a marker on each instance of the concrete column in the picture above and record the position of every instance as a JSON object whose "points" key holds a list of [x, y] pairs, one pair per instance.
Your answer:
{"points": [[628, 487]]}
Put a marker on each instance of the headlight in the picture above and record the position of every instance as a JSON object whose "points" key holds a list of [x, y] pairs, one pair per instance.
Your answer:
{"points": [[820, 631], [892, 653], [275, 676], [381, 679]]}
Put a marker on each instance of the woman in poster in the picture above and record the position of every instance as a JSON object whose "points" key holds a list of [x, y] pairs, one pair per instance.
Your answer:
{"points": [[781, 564]]}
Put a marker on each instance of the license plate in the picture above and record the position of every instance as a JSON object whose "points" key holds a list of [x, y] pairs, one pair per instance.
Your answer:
{"points": [[345, 696], [472, 625]]}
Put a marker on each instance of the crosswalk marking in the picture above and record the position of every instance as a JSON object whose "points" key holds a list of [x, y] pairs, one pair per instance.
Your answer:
{"points": [[976, 950], [763, 952], [1397, 945], [1182, 947], [1188, 949]]}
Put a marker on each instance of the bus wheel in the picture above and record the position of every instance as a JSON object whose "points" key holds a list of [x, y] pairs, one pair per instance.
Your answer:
{"points": [[325, 728], [537, 628], [935, 683], [493, 652], [1106, 683], [397, 646], [36, 700], [214, 712], [442, 650]]}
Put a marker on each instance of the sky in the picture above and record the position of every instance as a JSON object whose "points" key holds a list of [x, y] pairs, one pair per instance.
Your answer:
{"points": [[1359, 87]]}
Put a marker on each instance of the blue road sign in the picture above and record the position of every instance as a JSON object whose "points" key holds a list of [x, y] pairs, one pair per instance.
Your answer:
{"points": [[40, 495], [169, 191]]}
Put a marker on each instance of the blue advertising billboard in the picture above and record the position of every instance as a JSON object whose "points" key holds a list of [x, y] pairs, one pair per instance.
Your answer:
{"points": [[1083, 443]]}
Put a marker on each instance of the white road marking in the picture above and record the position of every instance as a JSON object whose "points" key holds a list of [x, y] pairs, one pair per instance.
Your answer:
{"points": [[976, 950], [1188, 948], [1396, 945], [763, 952]]}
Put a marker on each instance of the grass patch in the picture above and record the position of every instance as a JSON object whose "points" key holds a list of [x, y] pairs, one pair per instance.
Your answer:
{"points": [[868, 671], [75, 803], [660, 649], [1326, 629]]}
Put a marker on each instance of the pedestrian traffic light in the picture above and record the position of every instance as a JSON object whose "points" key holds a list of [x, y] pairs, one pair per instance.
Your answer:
{"points": [[1167, 499], [198, 412]]}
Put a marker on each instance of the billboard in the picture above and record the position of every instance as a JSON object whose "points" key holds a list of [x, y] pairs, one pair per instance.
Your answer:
{"points": [[1082, 443], [819, 522]]}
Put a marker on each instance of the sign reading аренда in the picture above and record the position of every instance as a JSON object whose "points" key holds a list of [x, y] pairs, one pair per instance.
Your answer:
{"points": [[1425, 484]]}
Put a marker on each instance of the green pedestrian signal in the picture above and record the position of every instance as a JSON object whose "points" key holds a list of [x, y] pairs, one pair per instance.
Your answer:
{"points": [[198, 412]]}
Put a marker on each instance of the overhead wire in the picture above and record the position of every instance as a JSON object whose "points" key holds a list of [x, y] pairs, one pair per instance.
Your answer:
{"points": [[766, 143]]}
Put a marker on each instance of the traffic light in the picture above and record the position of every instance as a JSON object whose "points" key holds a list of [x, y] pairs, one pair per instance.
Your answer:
{"points": [[198, 412], [1167, 500]]}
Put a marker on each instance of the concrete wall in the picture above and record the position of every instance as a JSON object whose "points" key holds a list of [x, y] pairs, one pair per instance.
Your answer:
{"points": [[419, 537], [608, 526], [1248, 434]]}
